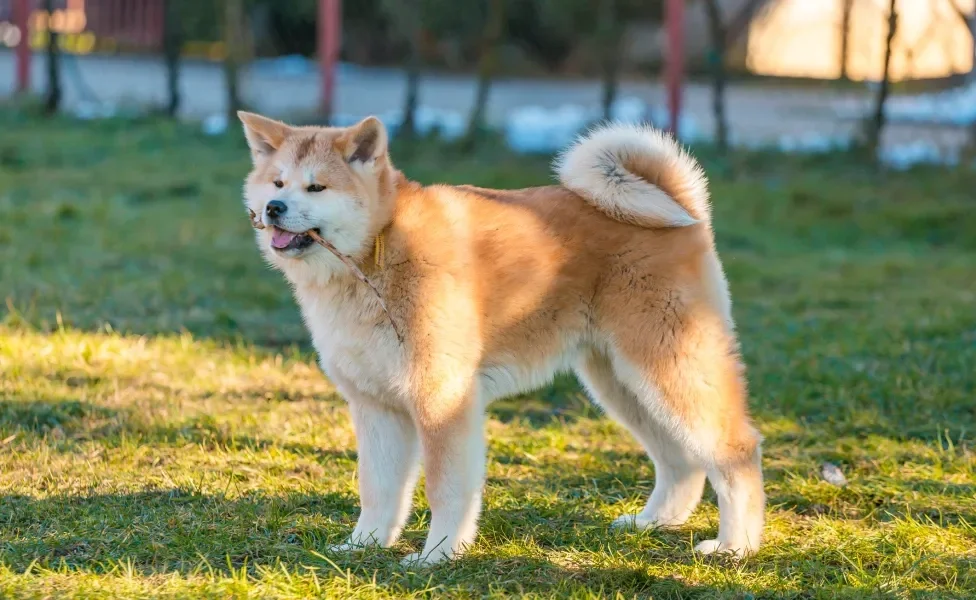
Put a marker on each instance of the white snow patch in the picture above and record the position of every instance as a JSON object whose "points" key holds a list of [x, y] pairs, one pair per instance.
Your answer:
{"points": [[956, 106]]}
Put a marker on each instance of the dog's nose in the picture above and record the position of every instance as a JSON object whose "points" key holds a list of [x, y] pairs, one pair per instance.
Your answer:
{"points": [[275, 209]]}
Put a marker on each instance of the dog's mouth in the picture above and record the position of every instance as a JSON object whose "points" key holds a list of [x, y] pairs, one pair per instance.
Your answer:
{"points": [[283, 240]]}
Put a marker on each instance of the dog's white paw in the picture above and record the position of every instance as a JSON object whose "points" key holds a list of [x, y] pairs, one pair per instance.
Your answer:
{"points": [[344, 547], [416, 560], [634, 521], [356, 541], [412, 560], [717, 547], [419, 559], [640, 522]]}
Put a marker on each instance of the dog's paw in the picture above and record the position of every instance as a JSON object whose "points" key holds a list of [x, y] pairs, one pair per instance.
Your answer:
{"points": [[420, 559], [357, 540], [641, 522], [354, 543], [716, 547], [416, 560], [345, 547], [633, 522]]}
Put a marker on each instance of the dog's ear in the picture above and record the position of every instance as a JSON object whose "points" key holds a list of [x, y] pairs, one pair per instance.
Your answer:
{"points": [[264, 135], [364, 142]]}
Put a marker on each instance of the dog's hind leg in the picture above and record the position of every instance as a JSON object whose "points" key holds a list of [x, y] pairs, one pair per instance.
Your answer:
{"points": [[690, 381], [679, 477]]}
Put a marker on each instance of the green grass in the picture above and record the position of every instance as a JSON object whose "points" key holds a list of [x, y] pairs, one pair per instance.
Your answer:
{"points": [[164, 431]]}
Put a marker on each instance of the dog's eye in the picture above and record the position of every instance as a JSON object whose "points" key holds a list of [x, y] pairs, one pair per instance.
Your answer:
{"points": [[279, 184], [315, 188]]}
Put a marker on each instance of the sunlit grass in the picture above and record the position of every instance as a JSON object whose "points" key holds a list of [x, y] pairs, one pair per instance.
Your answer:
{"points": [[164, 431]]}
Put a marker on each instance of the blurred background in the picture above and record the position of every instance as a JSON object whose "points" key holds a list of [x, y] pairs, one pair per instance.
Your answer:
{"points": [[164, 431], [797, 75]]}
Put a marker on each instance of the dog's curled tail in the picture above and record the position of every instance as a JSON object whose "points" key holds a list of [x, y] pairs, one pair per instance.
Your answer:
{"points": [[638, 175]]}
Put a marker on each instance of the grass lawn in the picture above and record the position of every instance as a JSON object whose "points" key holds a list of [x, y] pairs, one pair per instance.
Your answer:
{"points": [[164, 431]]}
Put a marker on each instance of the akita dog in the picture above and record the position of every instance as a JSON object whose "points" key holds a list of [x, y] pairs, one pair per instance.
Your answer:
{"points": [[612, 274]]}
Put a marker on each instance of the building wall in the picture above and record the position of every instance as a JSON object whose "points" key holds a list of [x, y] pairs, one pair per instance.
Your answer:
{"points": [[802, 38]]}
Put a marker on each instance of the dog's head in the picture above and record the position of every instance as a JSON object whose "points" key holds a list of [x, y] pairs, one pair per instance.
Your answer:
{"points": [[336, 181]]}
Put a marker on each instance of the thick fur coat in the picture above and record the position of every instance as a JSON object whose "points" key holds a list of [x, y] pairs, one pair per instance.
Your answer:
{"points": [[612, 274]]}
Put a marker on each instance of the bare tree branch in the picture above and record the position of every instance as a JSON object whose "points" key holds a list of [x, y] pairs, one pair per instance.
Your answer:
{"points": [[609, 35], [845, 37], [172, 45], [53, 96], [878, 122], [408, 14], [717, 38], [233, 25], [491, 35]]}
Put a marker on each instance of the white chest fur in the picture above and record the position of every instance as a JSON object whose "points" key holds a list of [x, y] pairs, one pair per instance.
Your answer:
{"points": [[353, 346]]}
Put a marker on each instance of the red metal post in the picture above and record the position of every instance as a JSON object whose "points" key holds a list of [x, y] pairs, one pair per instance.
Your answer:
{"points": [[329, 37], [21, 16], [674, 19]]}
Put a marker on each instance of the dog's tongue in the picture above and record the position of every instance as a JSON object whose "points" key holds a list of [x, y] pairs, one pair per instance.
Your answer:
{"points": [[281, 238]]}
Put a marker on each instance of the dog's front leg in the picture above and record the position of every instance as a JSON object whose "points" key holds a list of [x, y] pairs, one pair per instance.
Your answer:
{"points": [[453, 444], [388, 467]]}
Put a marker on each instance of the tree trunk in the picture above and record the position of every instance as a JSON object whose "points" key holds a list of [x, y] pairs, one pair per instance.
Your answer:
{"points": [[610, 41], [410, 103], [487, 65], [52, 99], [717, 59], [414, 65], [408, 16], [845, 38], [876, 128], [172, 45], [969, 20], [972, 34], [233, 12]]}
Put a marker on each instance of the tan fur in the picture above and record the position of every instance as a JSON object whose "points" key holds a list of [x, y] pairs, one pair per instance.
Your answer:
{"points": [[496, 291]]}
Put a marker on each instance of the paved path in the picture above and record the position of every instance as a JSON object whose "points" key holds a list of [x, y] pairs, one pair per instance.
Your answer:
{"points": [[757, 113]]}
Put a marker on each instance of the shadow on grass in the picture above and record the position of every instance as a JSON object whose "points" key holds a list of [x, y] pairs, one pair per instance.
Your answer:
{"points": [[62, 424], [178, 530], [168, 529], [43, 416], [66, 424]]}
